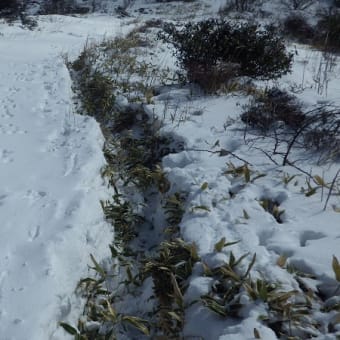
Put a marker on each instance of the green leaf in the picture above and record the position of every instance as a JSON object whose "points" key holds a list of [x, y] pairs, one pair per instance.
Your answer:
{"points": [[175, 316], [336, 268], [214, 306], [97, 267], [201, 207], [251, 264], [207, 271], [138, 323], [310, 192], [220, 244], [68, 328], [224, 152], [204, 186], [257, 177]]}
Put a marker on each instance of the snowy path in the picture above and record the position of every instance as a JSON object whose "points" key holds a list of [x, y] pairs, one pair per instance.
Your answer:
{"points": [[50, 182]]}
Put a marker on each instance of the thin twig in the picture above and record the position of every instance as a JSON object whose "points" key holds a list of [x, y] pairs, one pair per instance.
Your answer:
{"points": [[331, 189], [221, 152]]}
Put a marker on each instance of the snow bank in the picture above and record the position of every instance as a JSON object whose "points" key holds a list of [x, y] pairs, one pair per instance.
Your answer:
{"points": [[50, 183]]}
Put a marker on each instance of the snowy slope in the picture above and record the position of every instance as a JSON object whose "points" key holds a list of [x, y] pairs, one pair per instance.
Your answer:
{"points": [[50, 183], [50, 187]]}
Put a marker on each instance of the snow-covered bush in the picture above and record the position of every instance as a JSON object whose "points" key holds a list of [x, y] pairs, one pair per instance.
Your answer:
{"points": [[213, 45], [271, 107]]}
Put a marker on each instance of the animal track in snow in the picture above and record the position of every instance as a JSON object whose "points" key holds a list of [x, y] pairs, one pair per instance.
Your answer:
{"points": [[2, 198], [33, 195], [6, 114], [71, 164], [11, 129], [34, 232], [6, 156]]}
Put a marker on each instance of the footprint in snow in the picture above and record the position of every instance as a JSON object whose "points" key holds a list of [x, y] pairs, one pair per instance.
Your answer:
{"points": [[6, 156], [34, 233], [11, 129]]}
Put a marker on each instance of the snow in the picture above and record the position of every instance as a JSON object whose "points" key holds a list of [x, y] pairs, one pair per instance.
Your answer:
{"points": [[50, 161]]}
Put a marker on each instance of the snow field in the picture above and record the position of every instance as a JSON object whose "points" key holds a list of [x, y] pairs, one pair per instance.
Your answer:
{"points": [[51, 187], [50, 161]]}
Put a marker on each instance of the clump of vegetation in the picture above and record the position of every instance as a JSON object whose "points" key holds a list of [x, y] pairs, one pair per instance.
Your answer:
{"points": [[298, 4], [169, 271], [328, 32], [295, 26], [273, 208], [278, 115], [9, 8], [213, 51], [272, 107], [238, 5], [64, 7], [12, 10]]}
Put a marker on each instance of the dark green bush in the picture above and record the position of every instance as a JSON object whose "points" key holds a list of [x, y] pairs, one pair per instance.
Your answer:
{"points": [[279, 115], [216, 44], [274, 106], [9, 8]]}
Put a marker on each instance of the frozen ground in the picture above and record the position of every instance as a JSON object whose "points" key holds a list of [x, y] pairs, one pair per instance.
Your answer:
{"points": [[50, 183]]}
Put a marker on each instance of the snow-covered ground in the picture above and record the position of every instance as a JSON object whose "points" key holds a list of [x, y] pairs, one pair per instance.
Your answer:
{"points": [[50, 187], [50, 183]]}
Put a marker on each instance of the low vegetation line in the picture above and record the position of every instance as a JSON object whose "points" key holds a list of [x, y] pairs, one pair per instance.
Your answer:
{"points": [[140, 292]]}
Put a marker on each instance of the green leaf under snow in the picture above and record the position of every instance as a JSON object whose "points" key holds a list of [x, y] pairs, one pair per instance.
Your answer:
{"points": [[175, 316]]}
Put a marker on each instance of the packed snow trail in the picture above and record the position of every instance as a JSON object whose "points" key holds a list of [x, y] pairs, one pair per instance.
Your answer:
{"points": [[50, 183]]}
